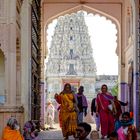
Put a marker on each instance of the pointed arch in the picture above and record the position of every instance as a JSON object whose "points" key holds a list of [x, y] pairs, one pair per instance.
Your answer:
{"points": [[88, 10]]}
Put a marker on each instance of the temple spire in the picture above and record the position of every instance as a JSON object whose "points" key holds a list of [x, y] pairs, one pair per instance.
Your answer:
{"points": [[71, 52]]}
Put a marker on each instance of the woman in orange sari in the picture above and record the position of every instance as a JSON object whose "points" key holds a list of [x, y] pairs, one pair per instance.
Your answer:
{"points": [[11, 131], [68, 114]]}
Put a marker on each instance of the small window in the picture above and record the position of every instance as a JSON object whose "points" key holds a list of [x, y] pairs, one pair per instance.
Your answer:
{"points": [[2, 99]]}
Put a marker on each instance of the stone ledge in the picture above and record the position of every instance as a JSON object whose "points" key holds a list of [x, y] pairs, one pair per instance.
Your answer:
{"points": [[11, 109]]}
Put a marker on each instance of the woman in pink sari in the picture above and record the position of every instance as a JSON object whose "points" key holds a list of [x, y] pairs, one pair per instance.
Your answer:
{"points": [[107, 119]]}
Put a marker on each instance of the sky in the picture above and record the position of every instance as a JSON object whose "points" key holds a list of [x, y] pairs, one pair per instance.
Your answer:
{"points": [[103, 37]]}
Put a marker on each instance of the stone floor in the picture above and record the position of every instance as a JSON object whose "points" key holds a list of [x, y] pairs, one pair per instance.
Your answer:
{"points": [[56, 134]]}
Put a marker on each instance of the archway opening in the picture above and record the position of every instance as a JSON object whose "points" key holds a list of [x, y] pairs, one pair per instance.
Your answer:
{"points": [[102, 36]]}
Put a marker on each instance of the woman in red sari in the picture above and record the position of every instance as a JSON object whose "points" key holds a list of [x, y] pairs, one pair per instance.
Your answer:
{"points": [[107, 119]]}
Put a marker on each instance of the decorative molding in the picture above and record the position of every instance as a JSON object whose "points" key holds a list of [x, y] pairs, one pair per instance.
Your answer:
{"points": [[11, 109]]}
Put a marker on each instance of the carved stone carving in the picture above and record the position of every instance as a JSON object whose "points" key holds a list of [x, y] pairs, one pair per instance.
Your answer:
{"points": [[70, 50], [12, 109]]}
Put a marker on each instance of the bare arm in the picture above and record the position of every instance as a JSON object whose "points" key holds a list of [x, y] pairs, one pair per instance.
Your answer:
{"points": [[123, 103]]}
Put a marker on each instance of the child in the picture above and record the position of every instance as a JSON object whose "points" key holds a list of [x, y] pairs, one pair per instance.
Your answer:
{"points": [[127, 131]]}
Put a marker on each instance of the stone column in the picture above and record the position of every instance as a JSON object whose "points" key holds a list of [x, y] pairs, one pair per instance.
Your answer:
{"points": [[26, 58], [11, 53]]}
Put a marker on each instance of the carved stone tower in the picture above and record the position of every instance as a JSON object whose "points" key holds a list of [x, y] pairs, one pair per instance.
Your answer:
{"points": [[70, 58]]}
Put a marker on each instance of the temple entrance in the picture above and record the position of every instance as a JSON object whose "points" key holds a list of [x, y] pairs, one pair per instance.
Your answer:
{"points": [[23, 50], [70, 58]]}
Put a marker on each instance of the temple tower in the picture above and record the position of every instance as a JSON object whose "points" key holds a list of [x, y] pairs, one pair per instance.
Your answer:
{"points": [[71, 57]]}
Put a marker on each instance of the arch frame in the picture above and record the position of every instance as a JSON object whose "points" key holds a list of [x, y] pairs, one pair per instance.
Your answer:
{"points": [[89, 10]]}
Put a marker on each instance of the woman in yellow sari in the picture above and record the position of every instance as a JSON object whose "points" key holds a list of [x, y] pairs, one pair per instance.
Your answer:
{"points": [[68, 111], [11, 131]]}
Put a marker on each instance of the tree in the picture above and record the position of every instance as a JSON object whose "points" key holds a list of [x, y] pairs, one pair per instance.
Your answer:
{"points": [[114, 90]]}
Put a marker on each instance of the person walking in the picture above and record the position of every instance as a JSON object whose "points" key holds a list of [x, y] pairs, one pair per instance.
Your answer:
{"points": [[50, 112], [68, 111], [93, 113], [82, 104], [103, 109]]}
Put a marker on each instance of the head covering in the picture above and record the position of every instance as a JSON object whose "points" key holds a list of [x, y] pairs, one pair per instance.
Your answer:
{"points": [[49, 102], [104, 85], [12, 123], [67, 88]]}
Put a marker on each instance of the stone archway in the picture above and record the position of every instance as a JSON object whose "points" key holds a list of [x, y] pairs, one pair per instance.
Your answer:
{"points": [[116, 9], [48, 18]]}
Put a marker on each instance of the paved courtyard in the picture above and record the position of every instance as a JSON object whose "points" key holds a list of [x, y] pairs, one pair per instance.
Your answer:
{"points": [[56, 134]]}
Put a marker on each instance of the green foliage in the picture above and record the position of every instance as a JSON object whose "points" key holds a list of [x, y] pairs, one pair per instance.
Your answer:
{"points": [[114, 90]]}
